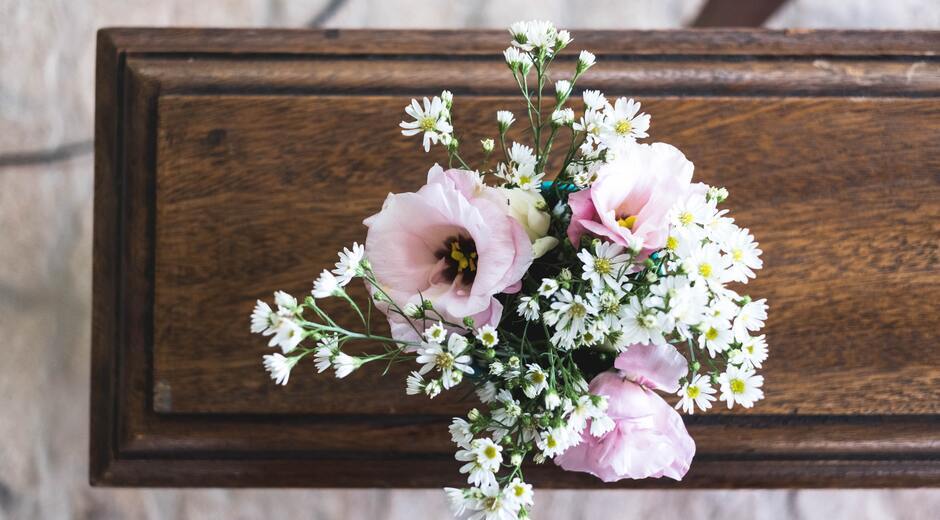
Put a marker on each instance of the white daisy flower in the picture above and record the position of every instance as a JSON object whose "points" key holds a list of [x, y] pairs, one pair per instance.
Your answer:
{"points": [[436, 333], [690, 213], [535, 381], [563, 117], [487, 336], [548, 287], [639, 325], [433, 388], [555, 441], [493, 504], [482, 458], [525, 178], [752, 354], [345, 364], [585, 61], [505, 119], [562, 39], [327, 348], [279, 367], [263, 319], [287, 335], [460, 433], [602, 425], [571, 312], [697, 392], [606, 266], [349, 263], [432, 119], [519, 493], [744, 255], [623, 123], [594, 99], [487, 392], [708, 265], [497, 368], [592, 124], [521, 154], [447, 359], [326, 285], [716, 335], [750, 318], [562, 89], [528, 308], [741, 386], [286, 304], [539, 34], [517, 60], [414, 384]]}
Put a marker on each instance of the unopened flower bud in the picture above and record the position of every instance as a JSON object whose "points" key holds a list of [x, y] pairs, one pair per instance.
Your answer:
{"points": [[488, 145]]}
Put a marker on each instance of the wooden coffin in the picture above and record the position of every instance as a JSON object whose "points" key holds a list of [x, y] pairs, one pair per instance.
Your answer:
{"points": [[230, 163]]}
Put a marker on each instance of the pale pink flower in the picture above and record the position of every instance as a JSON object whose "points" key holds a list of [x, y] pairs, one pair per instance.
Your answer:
{"points": [[453, 243], [649, 438], [630, 201]]}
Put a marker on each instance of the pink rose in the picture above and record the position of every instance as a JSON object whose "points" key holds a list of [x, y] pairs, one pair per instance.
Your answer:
{"points": [[649, 438], [632, 196], [454, 243]]}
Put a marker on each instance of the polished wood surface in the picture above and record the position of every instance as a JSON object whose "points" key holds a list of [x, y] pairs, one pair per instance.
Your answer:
{"points": [[233, 163]]}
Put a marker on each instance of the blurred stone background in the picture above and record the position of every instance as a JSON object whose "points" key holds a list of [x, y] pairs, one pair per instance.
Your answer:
{"points": [[47, 52]]}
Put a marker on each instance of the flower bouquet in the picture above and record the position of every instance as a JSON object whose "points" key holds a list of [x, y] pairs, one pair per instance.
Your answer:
{"points": [[569, 303]]}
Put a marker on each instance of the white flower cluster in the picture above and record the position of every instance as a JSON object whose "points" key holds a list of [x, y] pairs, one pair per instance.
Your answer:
{"points": [[288, 327], [432, 119], [577, 306]]}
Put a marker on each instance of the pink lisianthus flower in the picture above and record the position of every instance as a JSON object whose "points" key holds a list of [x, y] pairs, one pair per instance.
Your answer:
{"points": [[452, 243], [649, 438], [629, 202]]}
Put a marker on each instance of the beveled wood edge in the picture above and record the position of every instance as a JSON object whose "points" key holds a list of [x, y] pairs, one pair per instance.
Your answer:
{"points": [[427, 472], [809, 77], [485, 42], [115, 422]]}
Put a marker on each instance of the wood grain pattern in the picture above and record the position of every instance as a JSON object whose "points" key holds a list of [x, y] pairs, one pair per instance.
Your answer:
{"points": [[233, 163]]}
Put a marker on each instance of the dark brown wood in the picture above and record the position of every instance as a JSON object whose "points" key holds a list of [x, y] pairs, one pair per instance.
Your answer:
{"points": [[233, 163], [735, 13]]}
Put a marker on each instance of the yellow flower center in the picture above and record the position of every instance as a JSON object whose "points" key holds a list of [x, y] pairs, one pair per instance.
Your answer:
{"points": [[428, 124], [737, 386], [444, 361], [686, 218], [692, 392], [463, 261], [627, 222], [488, 338], [525, 179], [490, 452], [537, 378], [602, 266], [518, 491], [578, 310], [705, 270], [672, 243], [711, 334], [737, 254], [623, 127], [551, 442]]}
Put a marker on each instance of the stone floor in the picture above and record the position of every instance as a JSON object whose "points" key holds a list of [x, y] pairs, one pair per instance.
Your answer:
{"points": [[46, 110]]}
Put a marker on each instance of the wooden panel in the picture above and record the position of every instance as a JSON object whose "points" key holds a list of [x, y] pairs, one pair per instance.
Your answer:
{"points": [[233, 163], [253, 194]]}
